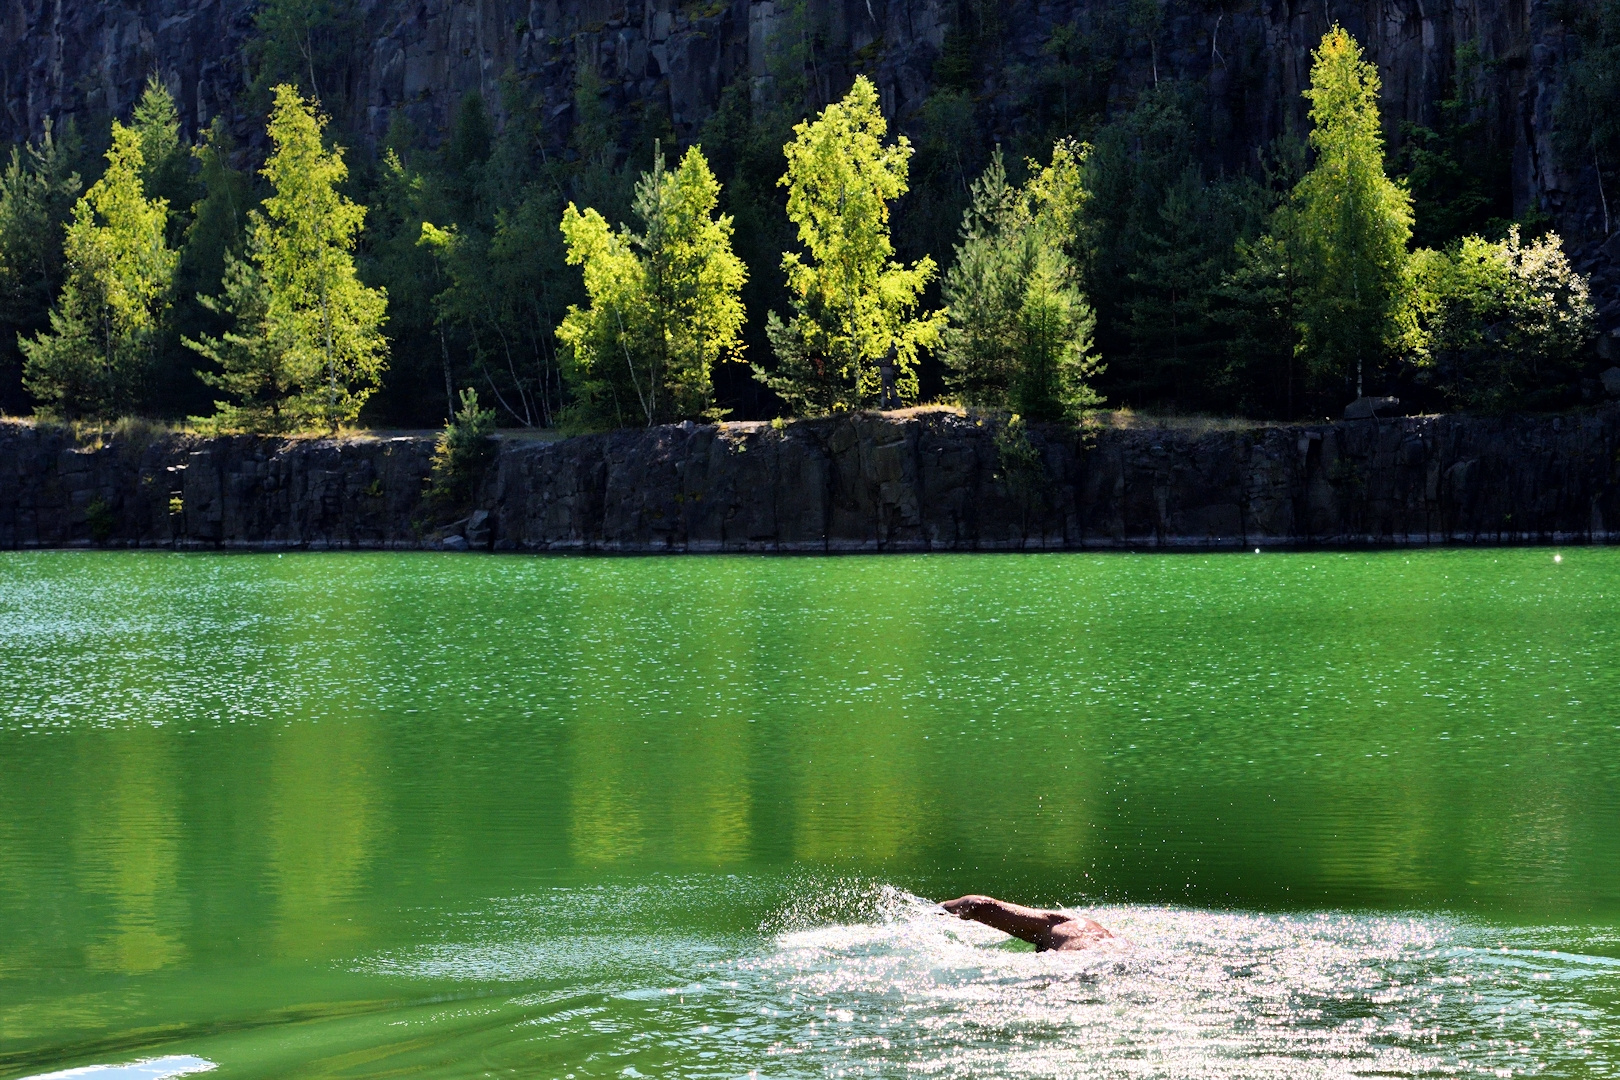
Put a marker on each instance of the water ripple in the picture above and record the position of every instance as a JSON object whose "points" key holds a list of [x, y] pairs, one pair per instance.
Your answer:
{"points": [[1184, 993]]}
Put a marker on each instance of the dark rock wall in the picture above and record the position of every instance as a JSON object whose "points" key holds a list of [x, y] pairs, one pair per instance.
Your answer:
{"points": [[229, 491], [931, 481], [420, 58]]}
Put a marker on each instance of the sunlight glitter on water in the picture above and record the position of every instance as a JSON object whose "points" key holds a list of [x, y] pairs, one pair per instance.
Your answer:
{"points": [[380, 816], [1192, 994], [1186, 993]]}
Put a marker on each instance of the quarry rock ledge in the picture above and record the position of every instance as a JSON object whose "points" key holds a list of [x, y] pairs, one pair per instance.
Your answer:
{"points": [[919, 480]]}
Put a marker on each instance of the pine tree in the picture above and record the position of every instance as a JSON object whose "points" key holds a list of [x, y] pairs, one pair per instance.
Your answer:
{"points": [[852, 303], [217, 217], [37, 191], [1180, 261], [168, 172], [1260, 301], [461, 455], [166, 161], [1056, 363], [306, 43], [1134, 162], [94, 358], [255, 370], [396, 258], [1020, 328], [983, 290], [1354, 222], [309, 333], [664, 303], [1461, 180], [1261, 305], [1158, 235]]}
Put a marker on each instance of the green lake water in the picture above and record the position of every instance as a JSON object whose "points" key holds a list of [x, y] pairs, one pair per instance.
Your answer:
{"points": [[400, 815]]}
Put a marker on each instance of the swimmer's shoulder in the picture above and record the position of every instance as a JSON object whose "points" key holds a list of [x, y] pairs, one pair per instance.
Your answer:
{"points": [[1080, 933]]}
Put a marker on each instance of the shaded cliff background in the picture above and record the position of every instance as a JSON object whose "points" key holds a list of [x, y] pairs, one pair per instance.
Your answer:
{"points": [[596, 82], [912, 480]]}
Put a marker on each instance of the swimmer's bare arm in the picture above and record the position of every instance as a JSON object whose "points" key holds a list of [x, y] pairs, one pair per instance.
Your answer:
{"points": [[1027, 924]]}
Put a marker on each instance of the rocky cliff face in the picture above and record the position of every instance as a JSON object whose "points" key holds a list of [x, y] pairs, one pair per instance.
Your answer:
{"points": [[420, 58], [925, 481]]}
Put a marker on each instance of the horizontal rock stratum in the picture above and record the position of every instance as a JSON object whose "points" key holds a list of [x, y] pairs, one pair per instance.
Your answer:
{"points": [[924, 480]]}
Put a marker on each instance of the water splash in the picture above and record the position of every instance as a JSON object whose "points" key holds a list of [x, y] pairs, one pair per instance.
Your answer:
{"points": [[858, 977]]}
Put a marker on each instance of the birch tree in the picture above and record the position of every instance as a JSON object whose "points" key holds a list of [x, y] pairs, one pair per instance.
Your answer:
{"points": [[93, 359], [665, 304], [854, 306], [1354, 222], [309, 348]]}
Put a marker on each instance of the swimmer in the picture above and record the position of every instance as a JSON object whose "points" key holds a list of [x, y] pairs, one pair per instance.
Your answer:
{"points": [[1043, 929]]}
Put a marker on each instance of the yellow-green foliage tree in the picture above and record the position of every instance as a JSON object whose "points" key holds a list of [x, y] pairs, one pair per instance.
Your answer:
{"points": [[1020, 327], [92, 360], [665, 304], [308, 349], [1353, 221], [852, 303], [1505, 325]]}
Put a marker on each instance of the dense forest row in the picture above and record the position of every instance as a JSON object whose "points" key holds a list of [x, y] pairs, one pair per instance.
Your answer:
{"points": [[793, 259]]}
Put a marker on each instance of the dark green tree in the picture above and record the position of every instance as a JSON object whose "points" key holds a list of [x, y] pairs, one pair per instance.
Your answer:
{"points": [[602, 177], [37, 191], [419, 389], [1065, 93], [504, 301], [1259, 301], [167, 170], [1020, 328], [217, 217], [252, 368], [743, 140], [1157, 237], [461, 455], [950, 152], [495, 284], [306, 43], [1175, 334], [1461, 183]]}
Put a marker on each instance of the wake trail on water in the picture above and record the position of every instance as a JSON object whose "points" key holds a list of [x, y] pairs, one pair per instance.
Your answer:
{"points": [[1181, 993], [860, 975]]}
